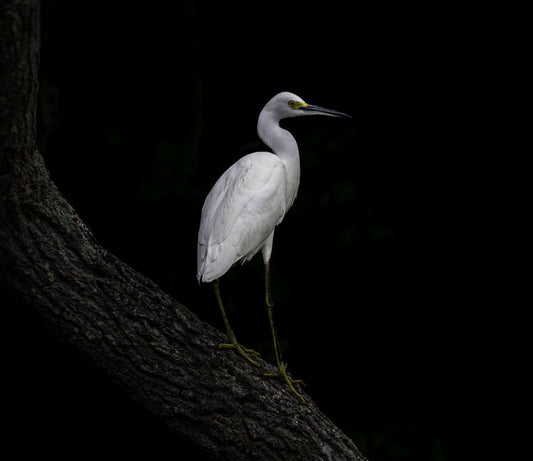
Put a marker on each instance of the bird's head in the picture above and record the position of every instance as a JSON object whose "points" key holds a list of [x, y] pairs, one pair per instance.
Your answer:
{"points": [[285, 105]]}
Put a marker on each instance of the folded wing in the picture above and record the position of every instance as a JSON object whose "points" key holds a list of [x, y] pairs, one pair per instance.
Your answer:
{"points": [[240, 212]]}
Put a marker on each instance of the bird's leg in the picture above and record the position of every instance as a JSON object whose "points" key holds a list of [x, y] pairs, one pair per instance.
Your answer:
{"points": [[282, 367], [233, 344]]}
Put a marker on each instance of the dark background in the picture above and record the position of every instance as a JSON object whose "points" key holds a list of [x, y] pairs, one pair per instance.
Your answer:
{"points": [[143, 106]]}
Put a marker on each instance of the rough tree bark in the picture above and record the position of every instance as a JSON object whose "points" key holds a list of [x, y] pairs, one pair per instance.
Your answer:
{"points": [[160, 353]]}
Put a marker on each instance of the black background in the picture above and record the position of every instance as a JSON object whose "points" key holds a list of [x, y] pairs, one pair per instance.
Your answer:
{"points": [[143, 106]]}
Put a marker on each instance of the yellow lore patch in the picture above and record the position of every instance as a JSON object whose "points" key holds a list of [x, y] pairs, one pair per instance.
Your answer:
{"points": [[295, 105]]}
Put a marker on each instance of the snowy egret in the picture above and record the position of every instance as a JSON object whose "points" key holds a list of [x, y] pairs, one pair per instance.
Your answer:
{"points": [[246, 204]]}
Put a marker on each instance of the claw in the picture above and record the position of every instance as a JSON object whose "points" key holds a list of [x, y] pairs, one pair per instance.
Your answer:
{"points": [[244, 351], [282, 374]]}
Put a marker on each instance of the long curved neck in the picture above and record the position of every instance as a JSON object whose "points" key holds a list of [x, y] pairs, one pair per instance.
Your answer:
{"points": [[284, 146]]}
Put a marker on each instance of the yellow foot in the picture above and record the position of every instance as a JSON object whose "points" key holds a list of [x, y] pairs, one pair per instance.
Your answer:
{"points": [[282, 374], [244, 351]]}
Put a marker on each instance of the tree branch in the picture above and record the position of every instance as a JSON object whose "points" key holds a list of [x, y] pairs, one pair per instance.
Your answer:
{"points": [[159, 352]]}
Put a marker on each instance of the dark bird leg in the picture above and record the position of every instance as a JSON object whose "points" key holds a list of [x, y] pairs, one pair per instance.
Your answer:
{"points": [[233, 344], [282, 368]]}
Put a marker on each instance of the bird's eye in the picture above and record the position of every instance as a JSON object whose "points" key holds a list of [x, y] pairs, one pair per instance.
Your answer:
{"points": [[293, 104]]}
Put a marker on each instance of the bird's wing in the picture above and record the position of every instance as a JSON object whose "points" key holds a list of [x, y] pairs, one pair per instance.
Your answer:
{"points": [[240, 212]]}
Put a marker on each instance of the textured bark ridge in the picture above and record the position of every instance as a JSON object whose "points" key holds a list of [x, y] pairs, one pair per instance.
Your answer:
{"points": [[158, 352]]}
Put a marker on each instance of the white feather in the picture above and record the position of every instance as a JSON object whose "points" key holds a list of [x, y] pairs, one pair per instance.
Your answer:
{"points": [[244, 206]]}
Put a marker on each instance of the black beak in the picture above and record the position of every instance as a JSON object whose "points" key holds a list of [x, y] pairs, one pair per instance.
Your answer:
{"points": [[322, 110]]}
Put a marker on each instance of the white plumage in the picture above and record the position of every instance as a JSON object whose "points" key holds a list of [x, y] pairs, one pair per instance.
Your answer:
{"points": [[240, 213], [245, 205], [250, 199]]}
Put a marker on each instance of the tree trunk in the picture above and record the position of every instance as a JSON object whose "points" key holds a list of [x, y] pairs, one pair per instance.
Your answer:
{"points": [[160, 353]]}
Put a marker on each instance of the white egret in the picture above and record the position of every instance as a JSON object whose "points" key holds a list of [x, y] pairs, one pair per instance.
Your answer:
{"points": [[245, 205]]}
